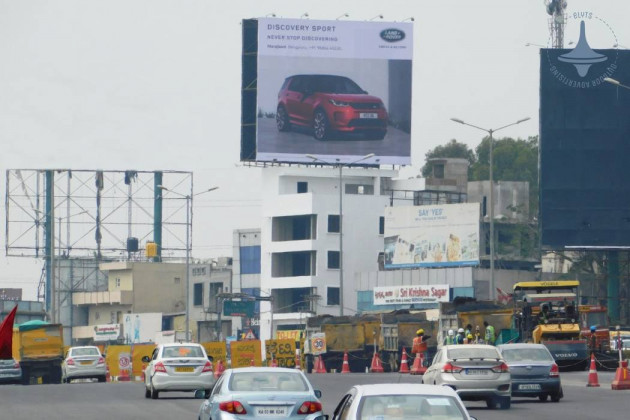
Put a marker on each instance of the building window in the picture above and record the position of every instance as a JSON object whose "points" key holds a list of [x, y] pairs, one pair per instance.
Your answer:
{"points": [[117, 281], [333, 223], [302, 187], [250, 259], [198, 294], [199, 271], [381, 225], [332, 296], [333, 259], [97, 315], [177, 280]]}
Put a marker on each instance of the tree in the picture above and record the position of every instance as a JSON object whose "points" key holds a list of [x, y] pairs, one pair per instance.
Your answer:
{"points": [[452, 149]]}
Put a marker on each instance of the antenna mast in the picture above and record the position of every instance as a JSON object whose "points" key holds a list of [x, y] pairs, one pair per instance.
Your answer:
{"points": [[555, 9]]}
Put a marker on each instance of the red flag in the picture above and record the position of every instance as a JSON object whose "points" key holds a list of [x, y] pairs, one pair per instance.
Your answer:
{"points": [[6, 335]]}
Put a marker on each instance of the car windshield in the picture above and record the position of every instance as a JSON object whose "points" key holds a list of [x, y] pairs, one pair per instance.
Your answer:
{"points": [[386, 407], [334, 84], [182, 351], [464, 352], [85, 352], [526, 355], [267, 381]]}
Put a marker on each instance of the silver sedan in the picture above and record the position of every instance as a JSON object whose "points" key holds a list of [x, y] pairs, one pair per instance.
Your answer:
{"points": [[265, 393], [83, 362], [10, 371]]}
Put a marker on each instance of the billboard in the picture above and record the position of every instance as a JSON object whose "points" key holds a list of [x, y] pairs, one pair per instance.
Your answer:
{"points": [[432, 236], [110, 332], [397, 295], [335, 90], [141, 328], [584, 145]]}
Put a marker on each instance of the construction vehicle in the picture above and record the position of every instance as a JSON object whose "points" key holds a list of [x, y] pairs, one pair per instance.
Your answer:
{"points": [[547, 312], [38, 347], [360, 336]]}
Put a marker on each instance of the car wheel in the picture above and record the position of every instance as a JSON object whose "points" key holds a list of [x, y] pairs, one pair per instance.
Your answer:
{"points": [[282, 119], [491, 403], [543, 397], [102, 379], [321, 128], [555, 397], [505, 403], [147, 392], [154, 394]]}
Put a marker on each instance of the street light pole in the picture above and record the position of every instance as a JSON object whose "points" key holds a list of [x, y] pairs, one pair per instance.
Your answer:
{"points": [[340, 166], [188, 198], [491, 159]]}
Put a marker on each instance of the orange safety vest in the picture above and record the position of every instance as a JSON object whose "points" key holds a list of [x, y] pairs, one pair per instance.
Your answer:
{"points": [[419, 345]]}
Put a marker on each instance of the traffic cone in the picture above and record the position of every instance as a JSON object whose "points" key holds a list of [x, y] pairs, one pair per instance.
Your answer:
{"points": [[124, 376], [274, 363], [377, 366], [418, 367], [345, 367], [218, 370], [404, 365], [319, 365], [592, 373], [622, 380]]}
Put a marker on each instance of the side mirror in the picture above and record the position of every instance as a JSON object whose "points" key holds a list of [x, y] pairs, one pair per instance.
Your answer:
{"points": [[146, 359], [211, 358], [318, 393], [473, 418], [200, 394]]}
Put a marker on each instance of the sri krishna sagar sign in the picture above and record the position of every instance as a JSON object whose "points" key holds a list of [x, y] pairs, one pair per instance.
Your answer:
{"points": [[396, 295]]}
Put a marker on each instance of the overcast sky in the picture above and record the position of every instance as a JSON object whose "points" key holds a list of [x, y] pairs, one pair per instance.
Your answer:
{"points": [[153, 84]]}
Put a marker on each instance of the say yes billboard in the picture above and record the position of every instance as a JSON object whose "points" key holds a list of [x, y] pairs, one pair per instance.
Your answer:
{"points": [[432, 236], [328, 89]]}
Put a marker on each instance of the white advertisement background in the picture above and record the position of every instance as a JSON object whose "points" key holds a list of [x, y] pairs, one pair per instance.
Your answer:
{"points": [[430, 234], [141, 328], [396, 294]]}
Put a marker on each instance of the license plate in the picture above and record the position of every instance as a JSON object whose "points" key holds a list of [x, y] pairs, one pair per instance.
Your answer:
{"points": [[533, 387], [86, 362], [184, 369], [271, 411], [368, 115], [481, 372]]}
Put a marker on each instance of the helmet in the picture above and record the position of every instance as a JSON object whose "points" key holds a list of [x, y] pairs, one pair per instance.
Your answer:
{"points": [[470, 337], [451, 332], [461, 330], [593, 328], [420, 331]]}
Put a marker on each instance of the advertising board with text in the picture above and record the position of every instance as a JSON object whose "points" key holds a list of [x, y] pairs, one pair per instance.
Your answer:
{"points": [[243, 352], [333, 90], [444, 235], [216, 349], [282, 350], [107, 332], [397, 295]]}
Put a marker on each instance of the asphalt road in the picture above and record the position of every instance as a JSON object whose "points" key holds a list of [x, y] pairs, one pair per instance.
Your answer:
{"points": [[126, 400]]}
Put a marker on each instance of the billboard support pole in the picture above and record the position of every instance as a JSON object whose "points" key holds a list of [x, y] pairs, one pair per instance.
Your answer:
{"points": [[340, 239]]}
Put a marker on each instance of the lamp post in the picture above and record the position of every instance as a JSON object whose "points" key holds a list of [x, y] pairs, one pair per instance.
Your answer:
{"points": [[490, 132], [340, 166], [615, 82], [188, 198]]}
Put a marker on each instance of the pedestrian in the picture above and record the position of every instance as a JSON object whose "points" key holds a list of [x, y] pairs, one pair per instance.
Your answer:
{"points": [[450, 338], [490, 337], [478, 339], [460, 336], [468, 330]]}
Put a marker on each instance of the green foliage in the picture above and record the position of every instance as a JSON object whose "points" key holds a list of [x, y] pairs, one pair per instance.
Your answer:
{"points": [[452, 149]]}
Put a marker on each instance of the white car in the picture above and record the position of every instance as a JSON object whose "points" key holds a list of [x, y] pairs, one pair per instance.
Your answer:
{"points": [[396, 401], [178, 367], [83, 362]]}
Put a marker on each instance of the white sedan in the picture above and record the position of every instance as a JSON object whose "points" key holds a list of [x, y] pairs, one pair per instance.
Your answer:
{"points": [[83, 362], [400, 401], [177, 367]]}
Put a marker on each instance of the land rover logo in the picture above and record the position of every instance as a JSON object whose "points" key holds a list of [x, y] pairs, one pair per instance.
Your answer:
{"points": [[392, 35]]}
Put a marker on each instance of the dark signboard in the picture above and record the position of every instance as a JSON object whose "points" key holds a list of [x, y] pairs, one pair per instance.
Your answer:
{"points": [[244, 308], [10, 294]]}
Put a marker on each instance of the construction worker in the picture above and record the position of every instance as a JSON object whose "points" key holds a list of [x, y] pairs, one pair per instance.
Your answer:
{"points": [[468, 330], [450, 338], [490, 337], [460, 336], [420, 344], [478, 339], [470, 339]]}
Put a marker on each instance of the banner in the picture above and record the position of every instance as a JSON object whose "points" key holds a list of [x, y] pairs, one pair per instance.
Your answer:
{"points": [[397, 295], [109, 332], [282, 350], [243, 352]]}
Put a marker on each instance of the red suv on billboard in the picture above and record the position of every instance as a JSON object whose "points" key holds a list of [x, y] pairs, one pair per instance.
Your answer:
{"points": [[326, 104]]}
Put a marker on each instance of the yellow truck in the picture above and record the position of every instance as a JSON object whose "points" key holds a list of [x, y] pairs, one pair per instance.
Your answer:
{"points": [[38, 346]]}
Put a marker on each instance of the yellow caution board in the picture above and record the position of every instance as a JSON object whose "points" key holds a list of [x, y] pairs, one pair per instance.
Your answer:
{"points": [[243, 352], [288, 335], [282, 350], [138, 351], [216, 349], [118, 356]]}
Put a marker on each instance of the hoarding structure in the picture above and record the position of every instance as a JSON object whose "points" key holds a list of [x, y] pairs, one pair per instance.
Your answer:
{"points": [[336, 90], [408, 295], [432, 236]]}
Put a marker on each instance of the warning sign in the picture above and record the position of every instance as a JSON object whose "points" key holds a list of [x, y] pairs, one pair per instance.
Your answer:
{"points": [[124, 361], [282, 350], [250, 335], [318, 344], [243, 352]]}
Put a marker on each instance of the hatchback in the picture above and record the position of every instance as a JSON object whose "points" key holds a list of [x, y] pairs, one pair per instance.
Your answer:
{"points": [[262, 392], [177, 367], [10, 371], [475, 371], [83, 363], [400, 401], [534, 371], [328, 104]]}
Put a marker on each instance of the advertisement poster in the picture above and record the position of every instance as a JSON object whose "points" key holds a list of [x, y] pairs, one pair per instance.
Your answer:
{"points": [[141, 328], [334, 90], [397, 295], [444, 235], [110, 332]]}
